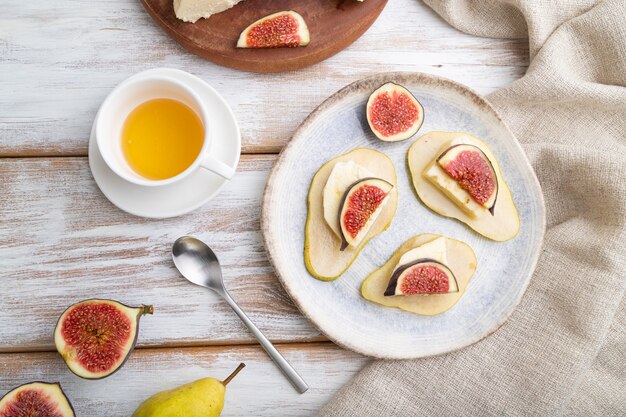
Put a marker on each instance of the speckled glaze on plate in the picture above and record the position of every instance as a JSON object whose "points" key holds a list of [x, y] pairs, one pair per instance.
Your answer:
{"points": [[504, 268]]}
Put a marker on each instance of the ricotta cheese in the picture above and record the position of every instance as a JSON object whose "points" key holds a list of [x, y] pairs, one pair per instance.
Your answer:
{"points": [[192, 10], [435, 249]]}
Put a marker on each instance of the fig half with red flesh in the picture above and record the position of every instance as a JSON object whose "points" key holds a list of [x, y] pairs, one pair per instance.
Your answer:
{"points": [[95, 337], [423, 276], [39, 399], [361, 204], [279, 30], [473, 171], [393, 113]]}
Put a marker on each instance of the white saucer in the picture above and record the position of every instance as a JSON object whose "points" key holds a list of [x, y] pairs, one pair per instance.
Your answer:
{"points": [[190, 193]]}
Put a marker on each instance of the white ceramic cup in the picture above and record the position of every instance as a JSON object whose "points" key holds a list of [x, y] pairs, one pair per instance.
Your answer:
{"points": [[124, 99]]}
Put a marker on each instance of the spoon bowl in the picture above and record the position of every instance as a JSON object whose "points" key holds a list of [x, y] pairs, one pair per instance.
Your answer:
{"points": [[197, 262]]}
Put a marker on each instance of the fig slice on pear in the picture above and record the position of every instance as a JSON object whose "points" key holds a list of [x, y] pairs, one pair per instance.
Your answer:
{"points": [[473, 171], [424, 276], [393, 113], [95, 337], [279, 30], [451, 257], [480, 198], [341, 178], [362, 202], [323, 256], [39, 399]]}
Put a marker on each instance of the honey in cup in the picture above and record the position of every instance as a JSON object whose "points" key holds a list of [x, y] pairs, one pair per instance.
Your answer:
{"points": [[161, 138]]}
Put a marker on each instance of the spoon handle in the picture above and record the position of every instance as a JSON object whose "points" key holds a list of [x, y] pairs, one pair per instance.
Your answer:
{"points": [[296, 380]]}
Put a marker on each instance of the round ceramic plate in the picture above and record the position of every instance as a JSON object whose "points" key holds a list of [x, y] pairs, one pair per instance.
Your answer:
{"points": [[196, 189], [337, 308]]}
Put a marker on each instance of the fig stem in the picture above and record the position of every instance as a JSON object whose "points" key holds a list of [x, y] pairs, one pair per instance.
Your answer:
{"points": [[234, 374], [146, 309]]}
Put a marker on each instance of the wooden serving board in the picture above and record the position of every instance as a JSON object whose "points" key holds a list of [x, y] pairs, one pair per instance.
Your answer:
{"points": [[333, 24]]}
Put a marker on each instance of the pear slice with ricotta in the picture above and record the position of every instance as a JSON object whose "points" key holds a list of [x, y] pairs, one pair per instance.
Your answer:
{"points": [[192, 10], [436, 174], [362, 204], [454, 254], [322, 245], [343, 175], [443, 195]]}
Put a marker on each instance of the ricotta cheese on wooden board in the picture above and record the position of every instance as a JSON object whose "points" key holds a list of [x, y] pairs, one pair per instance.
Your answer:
{"points": [[192, 10]]}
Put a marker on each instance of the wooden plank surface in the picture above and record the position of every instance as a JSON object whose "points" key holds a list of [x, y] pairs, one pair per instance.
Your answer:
{"points": [[59, 60], [259, 390], [61, 241]]}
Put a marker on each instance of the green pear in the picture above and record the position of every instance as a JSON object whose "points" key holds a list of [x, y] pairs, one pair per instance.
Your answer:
{"points": [[202, 398]]}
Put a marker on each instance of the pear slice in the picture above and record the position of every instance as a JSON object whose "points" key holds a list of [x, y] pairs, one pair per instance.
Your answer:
{"points": [[343, 175], [460, 261], [322, 247], [499, 222]]}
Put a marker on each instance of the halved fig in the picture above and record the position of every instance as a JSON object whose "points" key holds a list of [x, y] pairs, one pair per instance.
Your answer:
{"points": [[322, 246], [473, 171], [424, 276], [279, 30], [39, 399], [444, 195], [362, 203], [393, 113], [95, 337], [444, 252]]}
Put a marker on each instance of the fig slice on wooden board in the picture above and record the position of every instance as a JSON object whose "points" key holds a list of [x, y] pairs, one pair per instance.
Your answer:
{"points": [[322, 247], [279, 30], [457, 257], [39, 399], [362, 202], [393, 113], [95, 337], [442, 194]]}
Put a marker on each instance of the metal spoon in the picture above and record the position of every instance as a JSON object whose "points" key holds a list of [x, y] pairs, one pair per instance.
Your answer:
{"points": [[195, 260]]}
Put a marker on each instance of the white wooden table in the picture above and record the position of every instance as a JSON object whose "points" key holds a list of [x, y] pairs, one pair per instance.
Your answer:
{"points": [[61, 241]]}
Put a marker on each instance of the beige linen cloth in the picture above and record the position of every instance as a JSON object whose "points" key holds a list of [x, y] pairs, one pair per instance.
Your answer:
{"points": [[563, 351]]}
